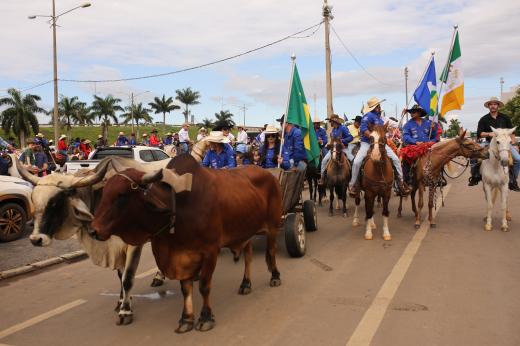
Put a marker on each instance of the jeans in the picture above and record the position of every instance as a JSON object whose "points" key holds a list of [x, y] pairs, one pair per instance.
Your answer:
{"points": [[362, 153], [183, 147], [475, 167], [326, 160]]}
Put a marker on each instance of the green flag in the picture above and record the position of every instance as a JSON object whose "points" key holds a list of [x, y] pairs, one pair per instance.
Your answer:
{"points": [[298, 114]]}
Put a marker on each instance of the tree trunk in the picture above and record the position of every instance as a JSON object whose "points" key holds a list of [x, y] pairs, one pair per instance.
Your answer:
{"points": [[186, 114], [164, 122], [68, 127], [21, 137]]}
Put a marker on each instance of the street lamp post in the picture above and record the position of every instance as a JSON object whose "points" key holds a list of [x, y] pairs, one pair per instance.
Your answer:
{"points": [[53, 20]]}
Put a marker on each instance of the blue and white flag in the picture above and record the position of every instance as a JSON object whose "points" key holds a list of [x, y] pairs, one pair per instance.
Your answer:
{"points": [[426, 93]]}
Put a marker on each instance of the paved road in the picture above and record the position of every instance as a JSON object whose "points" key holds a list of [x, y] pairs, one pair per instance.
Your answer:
{"points": [[455, 285]]}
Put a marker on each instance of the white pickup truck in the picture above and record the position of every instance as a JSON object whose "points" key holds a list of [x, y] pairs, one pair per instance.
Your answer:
{"points": [[138, 153]]}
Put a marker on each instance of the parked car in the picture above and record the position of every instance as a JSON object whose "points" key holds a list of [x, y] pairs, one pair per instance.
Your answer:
{"points": [[138, 153], [16, 207]]}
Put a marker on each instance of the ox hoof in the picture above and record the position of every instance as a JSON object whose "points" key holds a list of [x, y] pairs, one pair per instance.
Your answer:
{"points": [[184, 326], [369, 237], [387, 237], [504, 229], [123, 320], [157, 283], [204, 326], [488, 228], [275, 282]]}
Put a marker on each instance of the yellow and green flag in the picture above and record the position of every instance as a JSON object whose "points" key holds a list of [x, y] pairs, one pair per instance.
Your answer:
{"points": [[298, 114], [452, 76]]}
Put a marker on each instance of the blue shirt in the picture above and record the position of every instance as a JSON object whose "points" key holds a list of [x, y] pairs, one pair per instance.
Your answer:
{"points": [[132, 141], [121, 140], [322, 134], [269, 161], [413, 132], [370, 118], [223, 160], [293, 150], [342, 133], [4, 166], [39, 158], [167, 140]]}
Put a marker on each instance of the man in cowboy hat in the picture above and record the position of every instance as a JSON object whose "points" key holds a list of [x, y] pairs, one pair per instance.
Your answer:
{"points": [[145, 141], [101, 142], [418, 130], [242, 135], [338, 131], [62, 145], [184, 138], [293, 150], [496, 120], [168, 139], [121, 139], [373, 117], [154, 139], [218, 156], [321, 134], [354, 131]]}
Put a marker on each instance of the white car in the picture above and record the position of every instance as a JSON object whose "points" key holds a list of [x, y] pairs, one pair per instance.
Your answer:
{"points": [[16, 207]]}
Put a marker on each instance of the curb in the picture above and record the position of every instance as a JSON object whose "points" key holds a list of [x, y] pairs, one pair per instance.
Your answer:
{"points": [[80, 254]]}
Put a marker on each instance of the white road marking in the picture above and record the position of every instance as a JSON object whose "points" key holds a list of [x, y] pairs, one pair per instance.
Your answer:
{"points": [[369, 324], [146, 273], [31, 322]]}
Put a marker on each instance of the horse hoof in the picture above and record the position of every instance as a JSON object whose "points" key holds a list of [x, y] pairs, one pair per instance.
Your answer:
{"points": [[157, 283], [387, 237], [488, 228], [433, 225], [399, 215], [504, 229], [417, 226], [204, 326], [123, 320], [184, 327], [508, 218], [355, 223], [369, 237], [275, 282], [244, 290], [344, 214]]}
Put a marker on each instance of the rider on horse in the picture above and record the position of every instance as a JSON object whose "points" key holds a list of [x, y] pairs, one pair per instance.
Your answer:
{"points": [[342, 133], [371, 118], [415, 132], [354, 131], [321, 135]]}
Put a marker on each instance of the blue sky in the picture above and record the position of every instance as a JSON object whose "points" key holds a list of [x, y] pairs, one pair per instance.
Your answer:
{"points": [[113, 39]]}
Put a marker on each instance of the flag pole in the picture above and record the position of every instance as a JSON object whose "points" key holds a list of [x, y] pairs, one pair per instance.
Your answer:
{"points": [[455, 28], [293, 58]]}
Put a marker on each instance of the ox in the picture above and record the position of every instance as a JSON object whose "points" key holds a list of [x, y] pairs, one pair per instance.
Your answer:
{"points": [[63, 205], [189, 222]]}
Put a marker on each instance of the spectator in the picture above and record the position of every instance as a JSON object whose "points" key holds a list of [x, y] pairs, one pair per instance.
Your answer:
{"points": [[202, 133], [184, 138], [101, 142], [145, 141], [242, 135], [168, 140], [154, 139], [85, 148], [132, 140], [62, 145], [121, 139], [34, 159], [270, 150], [293, 150], [261, 136]]}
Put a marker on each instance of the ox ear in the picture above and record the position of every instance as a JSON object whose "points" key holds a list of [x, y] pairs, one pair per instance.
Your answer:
{"points": [[179, 183], [80, 210], [24, 173]]}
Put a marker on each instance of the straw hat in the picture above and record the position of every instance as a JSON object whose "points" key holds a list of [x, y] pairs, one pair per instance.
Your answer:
{"points": [[186, 124], [39, 135], [335, 118], [202, 129], [99, 136], [168, 133], [270, 129], [371, 104], [493, 100], [87, 141], [316, 119], [145, 135], [121, 133], [62, 136], [217, 137]]}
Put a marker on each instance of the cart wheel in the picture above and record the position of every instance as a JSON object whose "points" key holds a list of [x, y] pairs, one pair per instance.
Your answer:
{"points": [[294, 230], [310, 216]]}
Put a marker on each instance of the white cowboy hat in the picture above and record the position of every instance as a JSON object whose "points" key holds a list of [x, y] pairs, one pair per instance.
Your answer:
{"points": [[217, 137], [145, 135], [87, 141], [40, 135], [62, 136], [202, 129], [493, 100], [316, 119], [121, 133], [99, 136], [168, 133], [270, 129], [371, 104]]}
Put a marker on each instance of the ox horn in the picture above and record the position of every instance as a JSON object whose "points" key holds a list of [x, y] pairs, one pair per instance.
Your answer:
{"points": [[90, 180], [26, 175]]}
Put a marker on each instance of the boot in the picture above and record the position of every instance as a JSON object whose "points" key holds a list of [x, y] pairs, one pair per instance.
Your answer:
{"points": [[353, 191], [473, 181], [323, 179], [513, 186], [404, 190]]}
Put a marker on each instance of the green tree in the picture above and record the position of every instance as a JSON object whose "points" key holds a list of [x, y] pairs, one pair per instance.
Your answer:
{"points": [[207, 123], [105, 109], [83, 116], [20, 114], [454, 128], [164, 105], [136, 113], [68, 109], [512, 108], [188, 97], [224, 118]]}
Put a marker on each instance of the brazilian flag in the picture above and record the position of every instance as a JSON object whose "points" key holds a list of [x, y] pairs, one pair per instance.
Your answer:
{"points": [[298, 114]]}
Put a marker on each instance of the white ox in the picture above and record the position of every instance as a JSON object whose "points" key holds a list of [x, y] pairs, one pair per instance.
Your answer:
{"points": [[64, 204]]}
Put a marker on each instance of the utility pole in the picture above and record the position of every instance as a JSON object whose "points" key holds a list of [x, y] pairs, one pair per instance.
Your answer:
{"points": [[327, 15], [315, 110], [55, 63], [501, 88], [132, 112]]}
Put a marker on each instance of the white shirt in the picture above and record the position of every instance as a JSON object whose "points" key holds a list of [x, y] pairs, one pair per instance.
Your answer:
{"points": [[242, 137], [200, 136], [231, 137], [184, 136]]}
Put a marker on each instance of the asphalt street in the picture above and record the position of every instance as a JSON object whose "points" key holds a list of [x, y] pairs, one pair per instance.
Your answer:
{"points": [[452, 285]]}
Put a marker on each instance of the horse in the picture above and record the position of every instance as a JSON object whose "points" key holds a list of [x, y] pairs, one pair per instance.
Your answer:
{"points": [[427, 172], [312, 175], [377, 180], [338, 175], [495, 175]]}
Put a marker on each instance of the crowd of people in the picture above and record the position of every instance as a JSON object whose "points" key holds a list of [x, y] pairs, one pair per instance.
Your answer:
{"points": [[268, 149]]}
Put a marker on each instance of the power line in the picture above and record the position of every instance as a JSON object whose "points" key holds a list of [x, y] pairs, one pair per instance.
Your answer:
{"points": [[202, 65], [29, 87], [356, 60]]}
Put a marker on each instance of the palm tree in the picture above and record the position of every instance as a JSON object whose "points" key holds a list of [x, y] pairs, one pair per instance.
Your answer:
{"points": [[68, 109], [20, 116], [135, 113], [83, 115], [164, 105], [224, 118], [188, 97], [105, 109], [207, 123]]}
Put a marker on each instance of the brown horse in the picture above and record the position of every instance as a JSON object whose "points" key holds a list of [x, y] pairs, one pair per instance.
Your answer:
{"points": [[378, 176], [338, 175], [427, 171]]}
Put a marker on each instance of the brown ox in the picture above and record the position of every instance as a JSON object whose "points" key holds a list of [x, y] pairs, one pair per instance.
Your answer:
{"points": [[224, 208]]}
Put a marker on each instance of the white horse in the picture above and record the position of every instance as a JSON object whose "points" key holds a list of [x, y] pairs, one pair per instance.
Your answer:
{"points": [[495, 174]]}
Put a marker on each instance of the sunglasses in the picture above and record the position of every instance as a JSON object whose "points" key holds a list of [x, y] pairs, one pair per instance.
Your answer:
{"points": [[270, 136]]}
